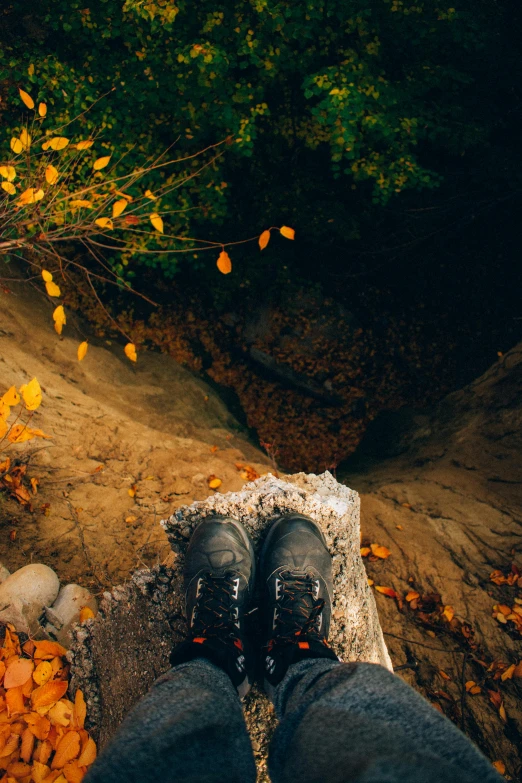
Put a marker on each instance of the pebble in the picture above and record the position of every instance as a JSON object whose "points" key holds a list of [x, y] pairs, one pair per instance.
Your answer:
{"points": [[65, 612], [25, 594]]}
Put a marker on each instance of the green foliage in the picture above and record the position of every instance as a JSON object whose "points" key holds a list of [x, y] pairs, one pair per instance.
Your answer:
{"points": [[380, 90]]}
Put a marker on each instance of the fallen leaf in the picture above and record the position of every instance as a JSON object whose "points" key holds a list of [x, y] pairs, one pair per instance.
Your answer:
{"points": [[507, 675], [469, 685], [476, 689], [49, 693], [412, 596], [18, 672], [386, 591], [32, 394], [444, 675], [11, 397], [365, 551], [27, 745], [224, 264], [86, 612], [67, 749], [370, 582], [448, 613], [61, 713], [132, 491], [80, 708], [399, 527], [214, 482], [42, 673], [502, 713], [45, 649], [73, 772], [39, 771], [264, 239], [500, 767], [88, 754], [380, 551], [84, 145], [15, 701], [287, 232]]}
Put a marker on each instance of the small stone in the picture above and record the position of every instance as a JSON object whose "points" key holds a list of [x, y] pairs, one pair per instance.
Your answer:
{"points": [[65, 612], [25, 594]]}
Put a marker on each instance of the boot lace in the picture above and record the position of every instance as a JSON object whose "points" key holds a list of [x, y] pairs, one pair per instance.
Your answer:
{"points": [[214, 613], [297, 607]]}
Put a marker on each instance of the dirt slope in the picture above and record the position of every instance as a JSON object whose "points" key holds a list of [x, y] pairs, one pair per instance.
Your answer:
{"points": [[114, 425], [456, 494]]}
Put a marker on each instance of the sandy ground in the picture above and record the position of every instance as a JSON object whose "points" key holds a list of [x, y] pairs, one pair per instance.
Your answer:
{"points": [[152, 428]]}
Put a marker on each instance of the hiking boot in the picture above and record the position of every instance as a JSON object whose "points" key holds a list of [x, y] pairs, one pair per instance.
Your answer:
{"points": [[296, 569], [219, 576]]}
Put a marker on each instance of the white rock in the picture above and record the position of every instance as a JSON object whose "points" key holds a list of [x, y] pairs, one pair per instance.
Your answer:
{"points": [[65, 612], [25, 594]]}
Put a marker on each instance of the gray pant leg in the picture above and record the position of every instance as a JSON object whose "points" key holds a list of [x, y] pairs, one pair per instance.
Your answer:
{"points": [[189, 727], [357, 722]]}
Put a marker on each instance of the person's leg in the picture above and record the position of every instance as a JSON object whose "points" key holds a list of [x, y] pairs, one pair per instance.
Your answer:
{"points": [[342, 723], [189, 727], [360, 723]]}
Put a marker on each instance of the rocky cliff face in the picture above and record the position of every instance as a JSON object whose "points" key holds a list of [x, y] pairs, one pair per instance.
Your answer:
{"points": [[449, 508]]}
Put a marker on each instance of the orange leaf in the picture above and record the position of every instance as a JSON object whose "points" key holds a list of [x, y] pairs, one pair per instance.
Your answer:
{"points": [[86, 612], [88, 753], [264, 239], [26, 750], [500, 767], [412, 596], [224, 264], [47, 650], [49, 693], [73, 772], [15, 700], [386, 591], [214, 482], [287, 232], [380, 551], [66, 750], [130, 352], [449, 613], [10, 746], [19, 672], [365, 551], [39, 771], [38, 725], [80, 709], [82, 350], [17, 769]]}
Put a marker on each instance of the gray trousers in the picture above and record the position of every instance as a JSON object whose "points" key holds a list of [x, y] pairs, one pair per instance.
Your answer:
{"points": [[352, 722]]}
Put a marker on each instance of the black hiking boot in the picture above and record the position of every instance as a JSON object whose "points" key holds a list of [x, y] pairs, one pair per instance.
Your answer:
{"points": [[296, 569], [219, 577]]}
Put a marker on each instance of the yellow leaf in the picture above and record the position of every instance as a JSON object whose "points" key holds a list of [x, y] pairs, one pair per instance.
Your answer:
{"points": [[264, 239], [30, 70], [508, 674], [224, 264], [287, 232], [104, 223], [42, 673], [130, 352], [16, 146], [25, 139], [118, 207], [42, 109], [52, 289], [32, 394], [448, 613], [59, 319], [8, 173], [82, 350], [157, 222], [101, 163], [30, 196], [214, 483], [58, 143], [5, 412], [9, 188], [67, 749], [47, 276], [380, 551], [19, 433], [84, 145], [150, 194], [124, 195], [80, 203], [11, 397], [45, 145], [51, 175], [26, 99]]}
